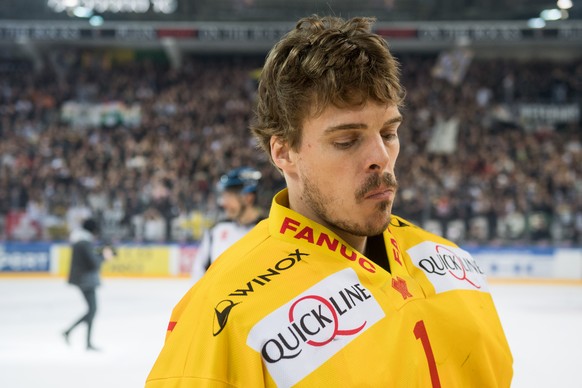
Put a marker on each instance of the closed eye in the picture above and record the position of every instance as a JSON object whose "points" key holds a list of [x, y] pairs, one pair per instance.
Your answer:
{"points": [[344, 145], [390, 136]]}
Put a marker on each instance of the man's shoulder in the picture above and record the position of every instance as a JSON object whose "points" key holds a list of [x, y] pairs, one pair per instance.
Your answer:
{"points": [[226, 231], [221, 224], [413, 234], [245, 252], [82, 244], [246, 270], [251, 247], [399, 222]]}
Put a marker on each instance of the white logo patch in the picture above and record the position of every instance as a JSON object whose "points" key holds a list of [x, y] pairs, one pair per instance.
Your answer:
{"points": [[301, 335], [448, 268]]}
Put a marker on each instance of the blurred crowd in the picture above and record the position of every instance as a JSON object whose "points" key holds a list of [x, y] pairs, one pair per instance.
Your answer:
{"points": [[492, 156]]}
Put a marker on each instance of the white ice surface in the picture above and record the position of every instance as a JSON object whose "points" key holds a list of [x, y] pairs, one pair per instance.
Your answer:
{"points": [[543, 324]]}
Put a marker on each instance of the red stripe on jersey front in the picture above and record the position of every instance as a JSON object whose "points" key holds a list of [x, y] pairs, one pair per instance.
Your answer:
{"points": [[171, 325]]}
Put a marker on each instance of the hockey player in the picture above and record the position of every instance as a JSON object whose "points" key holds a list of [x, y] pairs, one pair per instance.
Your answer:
{"points": [[333, 290], [238, 196]]}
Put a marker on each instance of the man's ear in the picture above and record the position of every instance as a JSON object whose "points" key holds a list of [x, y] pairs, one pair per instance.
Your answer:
{"points": [[281, 154]]}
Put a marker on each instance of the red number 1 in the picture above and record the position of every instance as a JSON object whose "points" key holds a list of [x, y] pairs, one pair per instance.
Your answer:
{"points": [[421, 334]]}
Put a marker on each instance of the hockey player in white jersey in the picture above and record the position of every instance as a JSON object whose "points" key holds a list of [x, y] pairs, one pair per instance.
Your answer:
{"points": [[238, 195]]}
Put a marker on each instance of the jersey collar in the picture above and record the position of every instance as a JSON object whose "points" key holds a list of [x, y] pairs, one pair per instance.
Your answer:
{"points": [[291, 226]]}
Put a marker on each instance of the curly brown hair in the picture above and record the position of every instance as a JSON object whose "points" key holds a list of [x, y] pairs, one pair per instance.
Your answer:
{"points": [[322, 61]]}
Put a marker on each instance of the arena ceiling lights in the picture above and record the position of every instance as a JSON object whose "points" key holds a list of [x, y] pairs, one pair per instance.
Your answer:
{"points": [[560, 13], [87, 8]]}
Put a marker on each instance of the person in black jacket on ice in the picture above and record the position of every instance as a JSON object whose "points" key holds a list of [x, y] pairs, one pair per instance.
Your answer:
{"points": [[85, 272]]}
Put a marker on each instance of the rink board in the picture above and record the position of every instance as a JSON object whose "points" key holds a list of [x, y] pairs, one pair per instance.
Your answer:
{"points": [[134, 260], [173, 260]]}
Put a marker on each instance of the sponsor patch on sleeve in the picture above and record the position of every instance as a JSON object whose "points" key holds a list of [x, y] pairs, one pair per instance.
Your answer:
{"points": [[301, 335], [448, 268]]}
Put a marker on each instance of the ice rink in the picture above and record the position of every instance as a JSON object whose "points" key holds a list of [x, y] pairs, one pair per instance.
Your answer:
{"points": [[543, 323]]}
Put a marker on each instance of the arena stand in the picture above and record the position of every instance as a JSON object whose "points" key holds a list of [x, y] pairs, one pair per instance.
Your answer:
{"points": [[491, 149]]}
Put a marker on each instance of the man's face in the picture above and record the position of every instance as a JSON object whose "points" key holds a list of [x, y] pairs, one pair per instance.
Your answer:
{"points": [[342, 175], [232, 203]]}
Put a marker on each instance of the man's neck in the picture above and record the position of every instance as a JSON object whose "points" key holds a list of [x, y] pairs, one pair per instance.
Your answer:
{"points": [[249, 216]]}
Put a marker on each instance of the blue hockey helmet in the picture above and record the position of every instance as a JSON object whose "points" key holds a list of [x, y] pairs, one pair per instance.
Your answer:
{"points": [[243, 179]]}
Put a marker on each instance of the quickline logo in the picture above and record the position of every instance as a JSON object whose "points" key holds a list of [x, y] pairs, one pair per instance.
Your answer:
{"points": [[301, 335], [448, 267]]}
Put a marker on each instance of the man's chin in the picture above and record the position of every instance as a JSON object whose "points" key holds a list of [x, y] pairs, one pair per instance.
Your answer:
{"points": [[380, 227], [369, 229]]}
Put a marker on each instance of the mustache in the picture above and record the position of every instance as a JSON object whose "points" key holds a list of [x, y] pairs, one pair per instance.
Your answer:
{"points": [[376, 181]]}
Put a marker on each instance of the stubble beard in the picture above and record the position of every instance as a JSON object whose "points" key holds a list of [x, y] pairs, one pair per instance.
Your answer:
{"points": [[319, 203]]}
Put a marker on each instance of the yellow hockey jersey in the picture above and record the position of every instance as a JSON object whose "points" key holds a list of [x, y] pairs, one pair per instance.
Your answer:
{"points": [[292, 304]]}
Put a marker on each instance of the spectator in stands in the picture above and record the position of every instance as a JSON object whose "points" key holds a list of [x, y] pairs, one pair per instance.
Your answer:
{"points": [[185, 121]]}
